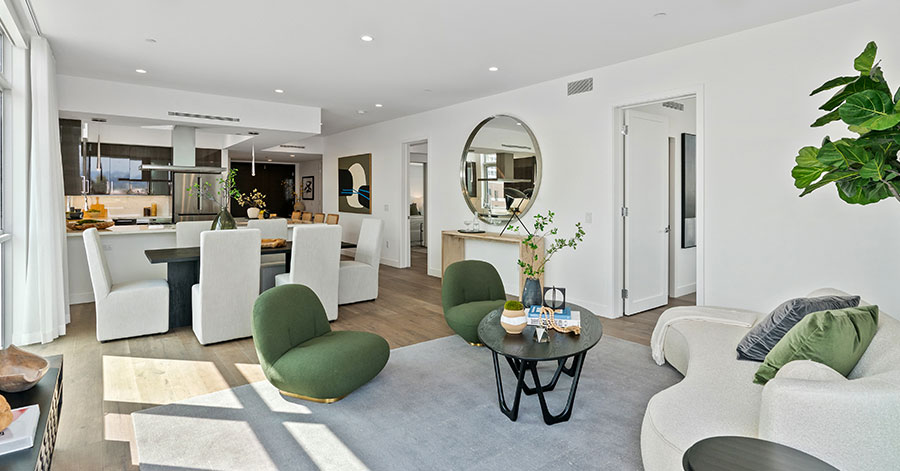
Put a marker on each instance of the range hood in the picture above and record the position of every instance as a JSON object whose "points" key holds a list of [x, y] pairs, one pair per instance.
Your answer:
{"points": [[182, 168], [183, 154]]}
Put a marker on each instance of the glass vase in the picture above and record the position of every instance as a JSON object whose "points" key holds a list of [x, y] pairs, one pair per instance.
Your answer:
{"points": [[223, 221]]}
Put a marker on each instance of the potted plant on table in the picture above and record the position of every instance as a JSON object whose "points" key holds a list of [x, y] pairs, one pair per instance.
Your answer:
{"points": [[225, 190], [256, 201], [534, 267], [513, 319], [865, 169]]}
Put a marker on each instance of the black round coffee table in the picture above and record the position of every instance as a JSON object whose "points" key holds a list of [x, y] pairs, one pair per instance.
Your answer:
{"points": [[748, 454], [523, 353]]}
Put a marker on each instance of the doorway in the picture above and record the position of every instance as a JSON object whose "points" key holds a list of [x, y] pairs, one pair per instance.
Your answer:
{"points": [[659, 247], [417, 204]]}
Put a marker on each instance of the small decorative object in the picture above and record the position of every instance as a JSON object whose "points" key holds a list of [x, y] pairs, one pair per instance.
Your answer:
{"points": [[272, 243], [541, 335], [555, 298], [256, 201], [531, 268], [85, 224], [252, 213], [307, 188], [6, 415], [20, 370], [548, 321], [355, 184], [225, 191], [864, 168], [513, 319]]}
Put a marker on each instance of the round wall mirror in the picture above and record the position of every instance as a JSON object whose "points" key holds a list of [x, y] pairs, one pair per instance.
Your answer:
{"points": [[500, 171]]}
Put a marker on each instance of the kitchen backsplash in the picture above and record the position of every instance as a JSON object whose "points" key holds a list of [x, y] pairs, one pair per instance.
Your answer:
{"points": [[126, 206]]}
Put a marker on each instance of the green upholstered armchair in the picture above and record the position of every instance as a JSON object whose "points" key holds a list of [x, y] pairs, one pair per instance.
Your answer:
{"points": [[300, 354], [471, 289]]}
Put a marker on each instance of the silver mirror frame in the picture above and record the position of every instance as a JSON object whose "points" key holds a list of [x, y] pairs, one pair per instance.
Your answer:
{"points": [[495, 220]]}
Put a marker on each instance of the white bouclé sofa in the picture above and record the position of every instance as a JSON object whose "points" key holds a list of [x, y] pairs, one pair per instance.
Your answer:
{"points": [[851, 423]]}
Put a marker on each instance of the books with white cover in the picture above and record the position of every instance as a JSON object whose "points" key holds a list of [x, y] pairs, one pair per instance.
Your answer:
{"points": [[20, 433]]}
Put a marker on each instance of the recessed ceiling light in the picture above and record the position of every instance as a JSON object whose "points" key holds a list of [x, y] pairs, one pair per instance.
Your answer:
{"points": [[367, 38], [140, 71], [378, 105], [493, 69], [292, 155], [150, 40], [269, 160], [278, 90], [428, 90], [360, 111], [518, 124], [659, 15]]}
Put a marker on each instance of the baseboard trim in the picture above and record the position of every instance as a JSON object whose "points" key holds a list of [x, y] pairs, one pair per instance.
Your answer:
{"points": [[81, 298], [435, 272], [685, 290]]}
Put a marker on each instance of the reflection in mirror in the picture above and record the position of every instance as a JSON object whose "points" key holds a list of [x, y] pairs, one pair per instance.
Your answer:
{"points": [[501, 169]]}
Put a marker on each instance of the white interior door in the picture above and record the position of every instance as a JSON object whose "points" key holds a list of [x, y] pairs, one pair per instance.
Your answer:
{"points": [[646, 212]]}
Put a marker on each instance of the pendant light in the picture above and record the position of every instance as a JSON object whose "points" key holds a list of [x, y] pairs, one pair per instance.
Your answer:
{"points": [[253, 160]]}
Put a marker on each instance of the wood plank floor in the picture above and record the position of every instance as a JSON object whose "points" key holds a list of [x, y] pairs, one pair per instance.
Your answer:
{"points": [[105, 382]]}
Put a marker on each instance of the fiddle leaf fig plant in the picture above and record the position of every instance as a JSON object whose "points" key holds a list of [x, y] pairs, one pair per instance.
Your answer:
{"points": [[865, 169]]}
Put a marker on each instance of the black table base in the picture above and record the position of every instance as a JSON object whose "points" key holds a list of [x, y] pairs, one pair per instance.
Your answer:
{"points": [[519, 369]]}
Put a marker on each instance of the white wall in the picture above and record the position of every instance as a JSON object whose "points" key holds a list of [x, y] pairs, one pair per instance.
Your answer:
{"points": [[763, 244], [312, 168], [682, 262]]}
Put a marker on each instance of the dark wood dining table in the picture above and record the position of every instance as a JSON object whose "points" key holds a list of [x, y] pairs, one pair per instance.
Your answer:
{"points": [[183, 272]]}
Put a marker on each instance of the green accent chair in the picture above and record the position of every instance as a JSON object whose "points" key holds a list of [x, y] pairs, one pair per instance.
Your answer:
{"points": [[471, 290], [300, 354]]}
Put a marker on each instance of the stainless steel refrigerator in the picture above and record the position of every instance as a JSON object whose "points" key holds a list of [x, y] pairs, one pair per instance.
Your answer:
{"points": [[194, 208]]}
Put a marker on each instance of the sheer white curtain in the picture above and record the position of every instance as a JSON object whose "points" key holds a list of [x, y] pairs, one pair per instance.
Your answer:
{"points": [[46, 286]]}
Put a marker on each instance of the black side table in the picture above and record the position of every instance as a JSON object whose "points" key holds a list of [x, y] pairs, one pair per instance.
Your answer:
{"points": [[748, 454], [47, 393], [523, 353]]}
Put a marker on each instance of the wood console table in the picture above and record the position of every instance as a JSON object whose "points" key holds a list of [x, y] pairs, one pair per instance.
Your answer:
{"points": [[453, 249]]}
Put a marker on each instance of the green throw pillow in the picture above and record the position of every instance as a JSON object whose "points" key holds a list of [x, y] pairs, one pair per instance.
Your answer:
{"points": [[837, 338]]}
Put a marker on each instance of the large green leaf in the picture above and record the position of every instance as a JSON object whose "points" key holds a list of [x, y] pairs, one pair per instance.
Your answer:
{"points": [[835, 82], [841, 154], [873, 169], [861, 84], [872, 109], [829, 177], [866, 60], [861, 191], [807, 158], [822, 121]]}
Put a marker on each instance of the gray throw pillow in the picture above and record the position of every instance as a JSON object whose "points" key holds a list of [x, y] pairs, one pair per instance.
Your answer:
{"points": [[767, 332]]}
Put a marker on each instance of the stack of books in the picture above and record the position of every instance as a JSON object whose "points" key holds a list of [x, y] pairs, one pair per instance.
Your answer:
{"points": [[564, 317], [20, 433]]}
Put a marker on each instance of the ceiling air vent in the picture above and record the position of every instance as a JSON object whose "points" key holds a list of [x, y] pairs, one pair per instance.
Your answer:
{"points": [[291, 146], [580, 86], [674, 105], [204, 116]]}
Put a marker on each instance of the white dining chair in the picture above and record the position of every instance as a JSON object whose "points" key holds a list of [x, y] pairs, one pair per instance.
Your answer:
{"points": [[124, 309], [222, 303], [315, 258], [270, 265], [187, 233], [359, 277]]}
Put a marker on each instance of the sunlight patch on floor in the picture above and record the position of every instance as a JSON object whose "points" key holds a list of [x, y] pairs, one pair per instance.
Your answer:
{"points": [[326, 450], [158, 380], [252, 372], [119, 428]]}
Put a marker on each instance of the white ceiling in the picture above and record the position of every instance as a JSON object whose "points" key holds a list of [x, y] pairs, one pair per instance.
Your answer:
{"points": [[426, 54]]}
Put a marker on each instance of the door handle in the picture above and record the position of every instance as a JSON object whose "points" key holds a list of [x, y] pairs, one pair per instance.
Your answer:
{"points": [[666, 230]]}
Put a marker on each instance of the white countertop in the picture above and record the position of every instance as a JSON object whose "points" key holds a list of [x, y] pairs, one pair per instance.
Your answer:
{"points": [[146, 229]]}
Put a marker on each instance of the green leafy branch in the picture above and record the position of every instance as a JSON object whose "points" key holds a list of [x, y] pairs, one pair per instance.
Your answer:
{"points": [[864, 169], [224, 190], [533, 267]]}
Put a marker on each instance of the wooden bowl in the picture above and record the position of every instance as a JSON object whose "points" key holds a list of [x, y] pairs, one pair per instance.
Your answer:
{"points": [[20, 370]]}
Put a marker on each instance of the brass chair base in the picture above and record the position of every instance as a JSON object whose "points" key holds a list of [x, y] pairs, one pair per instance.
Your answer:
{"points": [[330, 400], [476, 344]]}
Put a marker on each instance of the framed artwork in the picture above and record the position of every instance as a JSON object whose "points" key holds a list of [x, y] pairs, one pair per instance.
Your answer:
{"points": [[355, 184], [688, 190], [307, 188]]}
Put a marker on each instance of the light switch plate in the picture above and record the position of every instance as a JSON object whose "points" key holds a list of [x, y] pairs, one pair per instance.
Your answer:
{"points": [[386, 208], [588, 218]]}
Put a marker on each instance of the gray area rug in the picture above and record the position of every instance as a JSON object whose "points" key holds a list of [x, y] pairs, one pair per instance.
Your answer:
{"points": [[433, 407]]}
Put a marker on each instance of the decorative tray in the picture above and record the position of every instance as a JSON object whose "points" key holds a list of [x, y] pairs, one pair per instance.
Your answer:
{"points": [[470, 231], [272, 243], [85, 224]]}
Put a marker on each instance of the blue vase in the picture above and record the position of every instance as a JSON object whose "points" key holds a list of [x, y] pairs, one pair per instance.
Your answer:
{"points": [[531, 295]]}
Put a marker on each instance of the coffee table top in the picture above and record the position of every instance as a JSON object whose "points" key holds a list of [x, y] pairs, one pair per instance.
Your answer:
{"points": [[524, 347], [746, 453]]}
